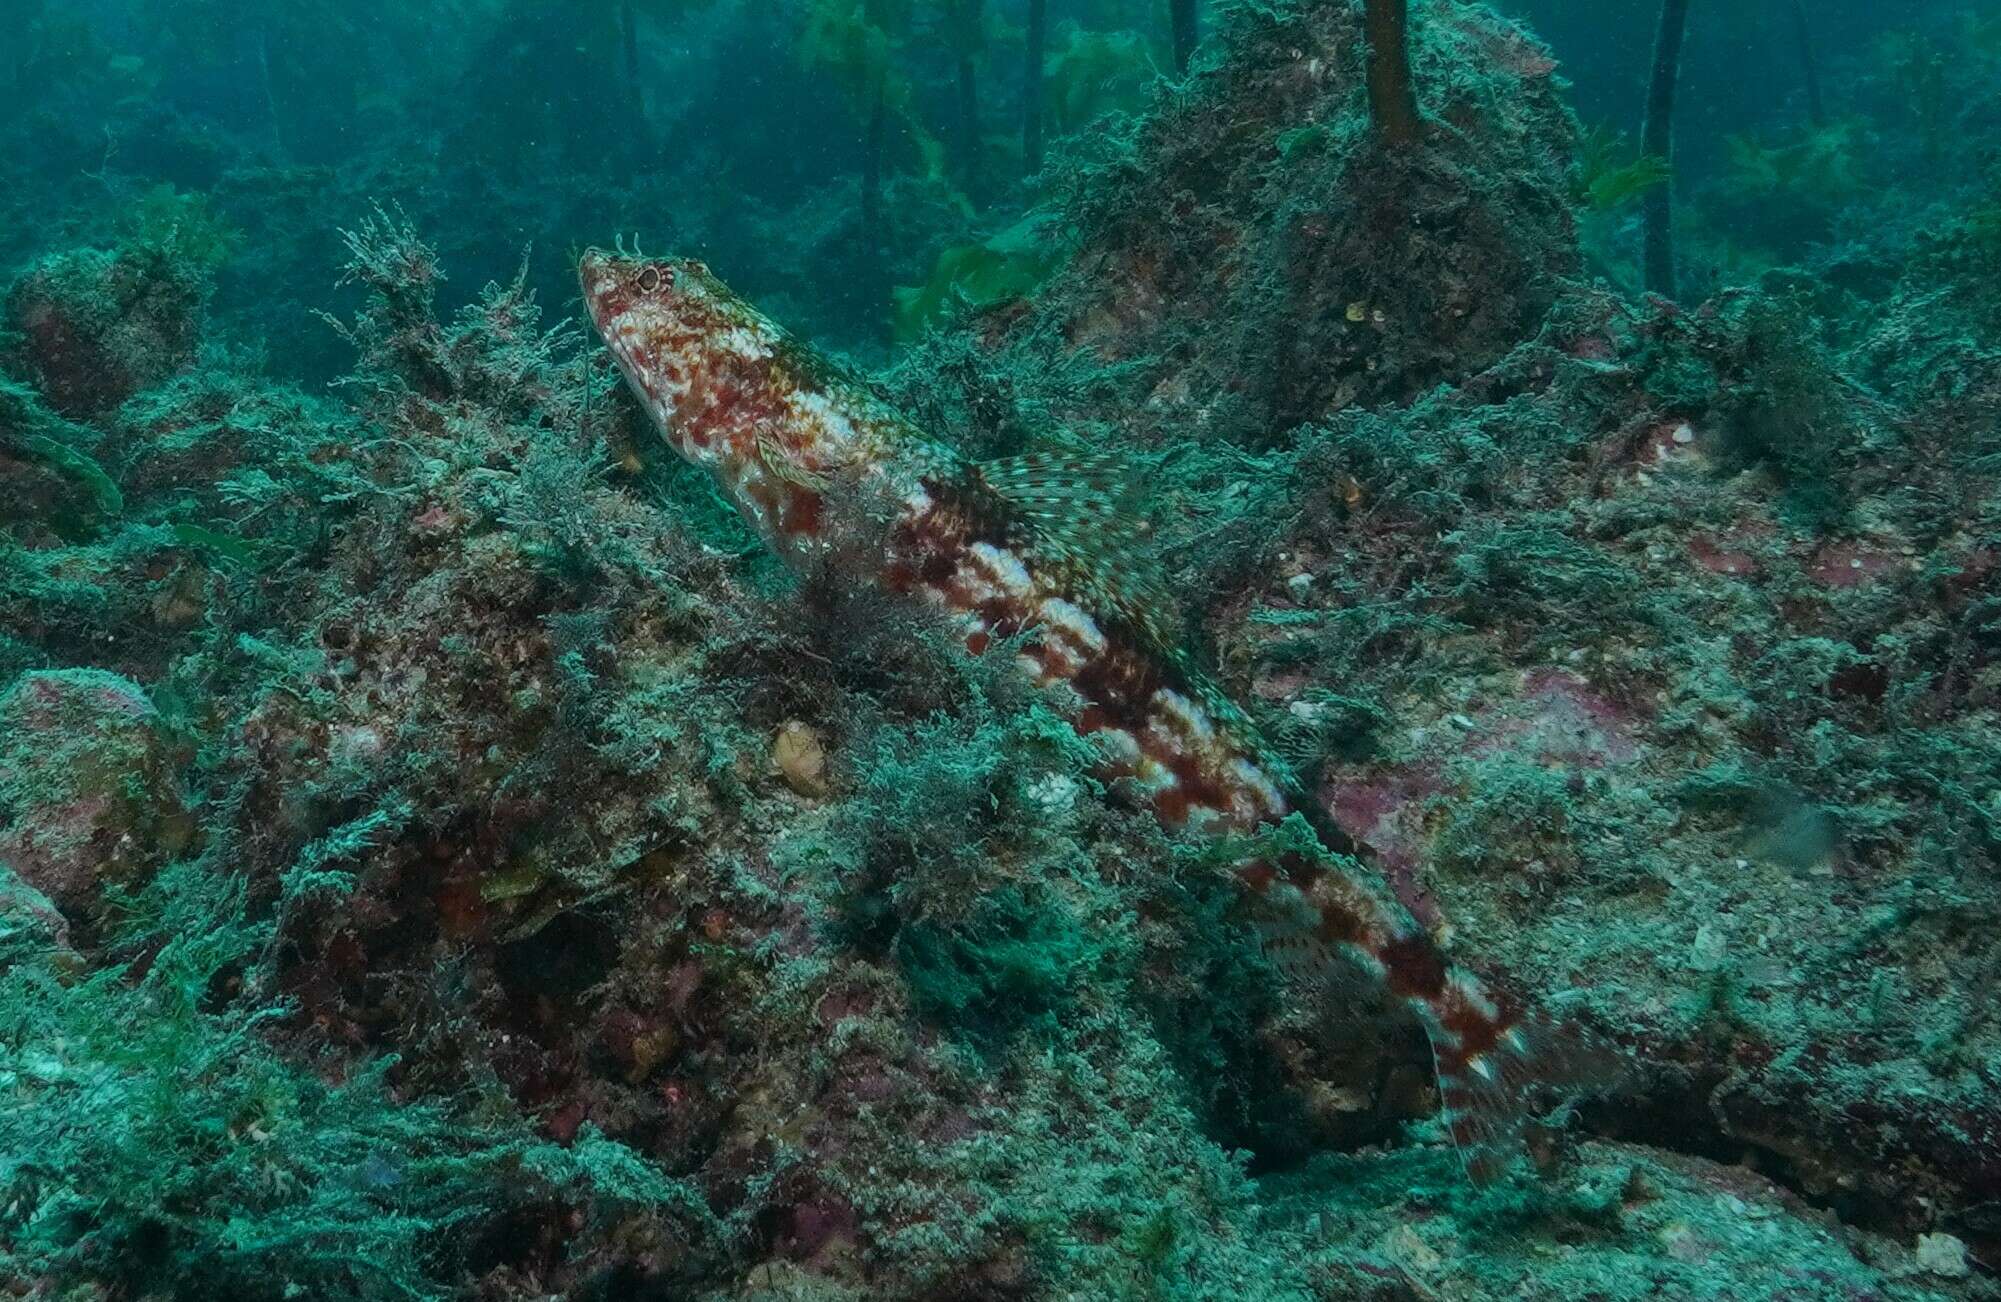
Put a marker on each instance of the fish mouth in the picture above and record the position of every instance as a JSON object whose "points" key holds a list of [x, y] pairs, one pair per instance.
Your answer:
{"points": [[597, 275]]}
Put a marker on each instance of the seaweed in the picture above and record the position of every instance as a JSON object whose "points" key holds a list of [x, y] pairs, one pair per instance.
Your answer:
{"points": [[1822, 165], [1092, 73], [1001, 269], [1392, 92], [30, 431], [1016, 957], [1601, 183], [182, 226], [1657, 141], [105, 498]]}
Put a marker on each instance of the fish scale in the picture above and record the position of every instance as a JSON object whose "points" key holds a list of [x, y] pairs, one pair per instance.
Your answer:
{"points": [[1037, 549]]}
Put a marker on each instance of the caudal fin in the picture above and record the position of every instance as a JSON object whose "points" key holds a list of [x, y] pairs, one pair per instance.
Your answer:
{"points": [[1494, 1060], [1489, 1098]]}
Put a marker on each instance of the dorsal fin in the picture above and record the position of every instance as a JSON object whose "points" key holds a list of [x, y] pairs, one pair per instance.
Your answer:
{"points": [[1082, 515]]}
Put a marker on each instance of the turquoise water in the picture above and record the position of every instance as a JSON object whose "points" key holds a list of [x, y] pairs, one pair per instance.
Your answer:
{"points": [[1100, 649]]}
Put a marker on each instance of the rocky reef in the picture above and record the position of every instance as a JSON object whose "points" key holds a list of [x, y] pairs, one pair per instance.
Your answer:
{"points": [[443, 856]]}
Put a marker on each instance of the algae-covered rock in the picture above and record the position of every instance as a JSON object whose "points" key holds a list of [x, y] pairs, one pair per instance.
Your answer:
{"points": [[94, 326], [30, 923], [1687, 717], [87, 797], [1622, 1224], [51, 486], [1256, 256]]}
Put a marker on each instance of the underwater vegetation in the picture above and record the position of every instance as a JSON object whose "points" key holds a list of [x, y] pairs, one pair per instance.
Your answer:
{"points": [[449, 849]]}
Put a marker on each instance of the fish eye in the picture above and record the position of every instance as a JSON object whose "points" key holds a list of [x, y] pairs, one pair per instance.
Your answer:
{"points": [[649, 280]]}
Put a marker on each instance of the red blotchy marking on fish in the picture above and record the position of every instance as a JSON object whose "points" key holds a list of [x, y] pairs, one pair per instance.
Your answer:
{"points": [[1070, 643], [954, 593], [1340, 925], [977, 641], [759, 405], [1120, 684], [1194, 779], [1477, 1032], [802, 512], [1257, 876], [930, 548], [1414, 967], [703, 412], [1061, 658], [764, 494], [1300, 871]]}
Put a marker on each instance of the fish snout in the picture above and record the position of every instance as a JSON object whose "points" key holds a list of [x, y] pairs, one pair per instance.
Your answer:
{"points": [[593, 270], [604, 287]]}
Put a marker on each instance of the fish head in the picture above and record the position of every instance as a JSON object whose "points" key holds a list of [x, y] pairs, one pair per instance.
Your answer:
{"points": [[729, 389], [625, 293], [690, 349]]}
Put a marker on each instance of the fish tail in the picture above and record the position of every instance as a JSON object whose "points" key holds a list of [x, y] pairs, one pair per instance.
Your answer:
{"points": [[1491, 1061], [1492, 1057]]}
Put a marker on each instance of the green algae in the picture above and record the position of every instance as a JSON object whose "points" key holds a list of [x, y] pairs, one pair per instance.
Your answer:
{"points": [[38, 435], [1602, 184], [105, 499], [1619, 1226], [155, 1137], [976, 277]]}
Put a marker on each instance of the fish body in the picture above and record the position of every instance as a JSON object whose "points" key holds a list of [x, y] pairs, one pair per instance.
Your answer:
{"points": [[1036, 549]]}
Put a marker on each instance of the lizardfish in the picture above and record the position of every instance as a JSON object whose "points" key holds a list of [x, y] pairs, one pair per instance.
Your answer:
{"points": [[1039, 549]]}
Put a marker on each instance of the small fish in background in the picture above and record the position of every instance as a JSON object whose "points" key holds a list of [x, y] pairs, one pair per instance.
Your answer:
{"points": [[1042, 547]]}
